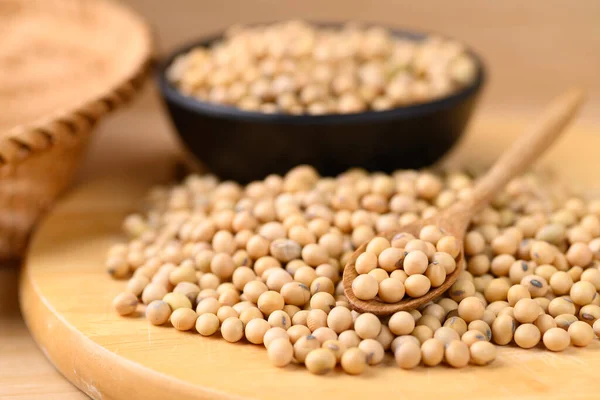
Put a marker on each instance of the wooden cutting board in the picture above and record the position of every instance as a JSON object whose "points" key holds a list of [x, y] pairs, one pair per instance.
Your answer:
{"points": [[66, 301]]}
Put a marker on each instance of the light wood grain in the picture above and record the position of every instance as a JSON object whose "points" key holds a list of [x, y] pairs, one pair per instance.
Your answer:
{"points": [[25, 374], [66, 296]]}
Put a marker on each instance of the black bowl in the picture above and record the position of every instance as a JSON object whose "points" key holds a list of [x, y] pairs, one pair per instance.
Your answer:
{"points": [[245, 146]]}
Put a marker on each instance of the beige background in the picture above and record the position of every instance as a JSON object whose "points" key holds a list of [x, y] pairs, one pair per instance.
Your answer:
{"points": [[533, 49]]}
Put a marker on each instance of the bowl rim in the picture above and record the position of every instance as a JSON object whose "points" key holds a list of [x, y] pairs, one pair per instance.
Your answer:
{"points": [[173, 95]]}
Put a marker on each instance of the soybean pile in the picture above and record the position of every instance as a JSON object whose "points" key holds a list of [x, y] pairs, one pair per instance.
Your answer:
{"points": [[294, 67], [263, 263]]}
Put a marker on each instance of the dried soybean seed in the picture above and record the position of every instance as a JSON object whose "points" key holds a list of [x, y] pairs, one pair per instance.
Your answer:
{"points": [[542, 252], [579, 254], [503, 329], [488, 317], [581, 333], [232, 329], [430, 321], [401, 323], [415, 262], [434, 310], [470, 309], [432, 352], [137, 284], [365, 287], [158, 312], [457, 354], [367, 326], [208, 305], [354, 361], [527, 336], [422, 333], [153, 292], [125, 303], [456, 323], [177, 300], [295, 293], [336, 347], [270, 301], [349, 338], [561, 283], [378, 245], [544, 323], [249, 314], [516, 293], [316, 319], [482, 327], [564, 321], [461, 289], [449, 245], [447, 304], [281, 352], [445, 335], [575, 273], [391, 290], [366, 262], [320, 361], [596, 328], [324, 334], [404, 338], [408, 355], [207, 324], [482, 353], [510, 311], [497, 290], [561, 305], [417, 285], [225, 312], [526, 310], [582, 293], [305, 345], [183, 319], [385, 337], [339, 319], [470, 337], [379, 274], [556, 339], [280, 318], [273, 334], [322, 301], [373, 350], [322, 284], [390, 259], [591, 275], [536, 285], [589, 313]]}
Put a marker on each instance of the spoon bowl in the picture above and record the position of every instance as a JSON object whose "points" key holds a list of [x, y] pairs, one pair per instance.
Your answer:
{"points": [[451, 221], [455, 219]]}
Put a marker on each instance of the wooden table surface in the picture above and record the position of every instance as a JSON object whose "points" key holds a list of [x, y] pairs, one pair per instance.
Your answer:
{"points": [[533, 50], [66, 294]]}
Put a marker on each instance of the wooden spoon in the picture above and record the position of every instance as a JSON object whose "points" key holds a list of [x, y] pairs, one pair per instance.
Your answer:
{"points": [[455, 219]]}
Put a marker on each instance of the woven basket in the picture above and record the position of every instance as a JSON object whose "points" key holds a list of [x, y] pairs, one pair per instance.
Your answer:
{"points": [[64, 64]]}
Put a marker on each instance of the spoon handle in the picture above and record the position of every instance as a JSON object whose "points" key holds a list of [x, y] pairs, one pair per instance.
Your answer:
{"points": [[528, 147]]}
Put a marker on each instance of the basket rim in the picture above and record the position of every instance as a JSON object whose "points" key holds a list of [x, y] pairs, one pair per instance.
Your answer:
{"points": [[22, 141]]}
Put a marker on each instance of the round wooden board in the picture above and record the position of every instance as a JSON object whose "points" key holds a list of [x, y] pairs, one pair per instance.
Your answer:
{"points": [[66, 301]]}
